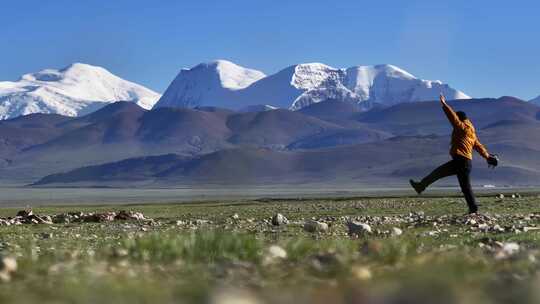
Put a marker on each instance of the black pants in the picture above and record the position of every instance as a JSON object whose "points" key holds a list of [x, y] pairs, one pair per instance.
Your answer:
{"points": [[461, 167]]}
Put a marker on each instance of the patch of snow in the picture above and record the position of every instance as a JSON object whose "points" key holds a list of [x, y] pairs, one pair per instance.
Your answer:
{"points": [[258, 108]]}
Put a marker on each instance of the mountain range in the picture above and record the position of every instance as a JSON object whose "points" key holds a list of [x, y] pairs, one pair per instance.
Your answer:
{"points": [[75, 90], [224, 84], [219, 123], [80, 89]]}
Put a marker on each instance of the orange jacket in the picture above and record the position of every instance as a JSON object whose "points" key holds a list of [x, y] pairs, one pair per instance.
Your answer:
{"points": [[464, 138]]}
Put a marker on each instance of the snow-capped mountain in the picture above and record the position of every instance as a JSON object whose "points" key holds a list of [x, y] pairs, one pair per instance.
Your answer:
{"points": [[297, 86], [75, 90], [535, 100], [214, 83]]}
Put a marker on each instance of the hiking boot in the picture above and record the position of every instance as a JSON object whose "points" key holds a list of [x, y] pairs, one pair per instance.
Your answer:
{"points": [[418, 187]]}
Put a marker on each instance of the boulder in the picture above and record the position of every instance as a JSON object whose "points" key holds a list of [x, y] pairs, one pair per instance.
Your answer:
{"points": [[279, 219]]}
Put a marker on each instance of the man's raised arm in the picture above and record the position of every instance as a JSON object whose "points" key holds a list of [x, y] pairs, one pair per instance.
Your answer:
{"points": [[452, 116]]}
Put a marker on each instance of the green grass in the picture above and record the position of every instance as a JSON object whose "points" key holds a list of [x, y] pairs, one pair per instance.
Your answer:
{"points": [[132, 262]]}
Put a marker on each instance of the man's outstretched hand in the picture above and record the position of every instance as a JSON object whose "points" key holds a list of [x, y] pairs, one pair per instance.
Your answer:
{"points": [[493, 161], [442, 99]]}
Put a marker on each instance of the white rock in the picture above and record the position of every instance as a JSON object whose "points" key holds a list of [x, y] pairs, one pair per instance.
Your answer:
{"points": [[234, 296], [279, 219], [507, 250], [511, 247], [5, 276], [273, 254], [361, 273], [471, 222], [121, 252], [357, 228], [9, 264], [483, 227], [315, 226], [201, 222], [498, 228], [396, 231]]}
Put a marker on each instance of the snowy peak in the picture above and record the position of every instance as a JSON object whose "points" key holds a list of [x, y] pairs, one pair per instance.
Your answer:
{"points": [[87, 82], [230, 75], [75, 90], [73, 71], [208, 84], [365, 85], [391, 71], [388, 85], [312, 75], [224, 84]]}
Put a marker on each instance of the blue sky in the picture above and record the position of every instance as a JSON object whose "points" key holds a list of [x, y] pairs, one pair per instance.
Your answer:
{"points": [[485, 48]]}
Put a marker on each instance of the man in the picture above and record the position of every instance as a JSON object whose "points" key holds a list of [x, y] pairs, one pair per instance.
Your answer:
{"points": [[464, 140]]}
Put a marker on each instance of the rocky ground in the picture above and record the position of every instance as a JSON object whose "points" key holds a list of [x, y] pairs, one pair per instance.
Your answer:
{"points": [[353, 250]]}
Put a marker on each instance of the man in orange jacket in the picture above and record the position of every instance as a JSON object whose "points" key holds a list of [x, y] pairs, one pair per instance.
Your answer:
{"points": [[464, 141]]}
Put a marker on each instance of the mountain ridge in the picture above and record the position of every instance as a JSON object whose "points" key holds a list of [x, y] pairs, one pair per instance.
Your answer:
{"points": [[75, 90], [323, 135], [301, 85]]}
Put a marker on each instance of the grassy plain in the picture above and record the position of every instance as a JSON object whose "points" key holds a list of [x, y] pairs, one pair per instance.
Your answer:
{"points": [[225, 252]]}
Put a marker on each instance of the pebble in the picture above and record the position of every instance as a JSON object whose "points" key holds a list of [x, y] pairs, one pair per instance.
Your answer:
{"points": [[232, 296], [315, 226], [361, 273], [498, 228], [356, 228], [273, 254], [396, 231], [8, 265], [507, 250], [200, 222], [483, 227]]}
